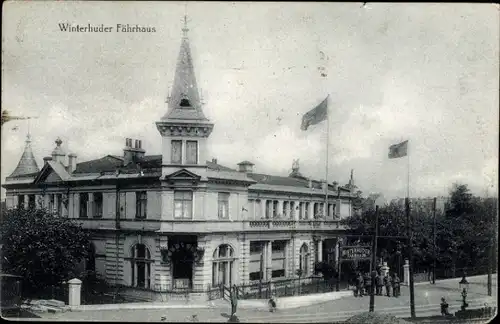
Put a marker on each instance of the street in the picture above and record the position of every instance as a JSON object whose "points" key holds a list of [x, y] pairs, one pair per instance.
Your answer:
{"points": [[427, 299]]}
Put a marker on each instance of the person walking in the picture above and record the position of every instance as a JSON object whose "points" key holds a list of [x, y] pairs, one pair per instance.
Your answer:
{"points": [[379, 283], [444, 307], [359, 285], [234, 300], [387, 283], [368, 283], [397, 286]]}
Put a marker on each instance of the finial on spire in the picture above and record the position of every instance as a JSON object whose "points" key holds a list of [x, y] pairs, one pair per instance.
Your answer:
{"points": [[58, 141], [185, 29]]}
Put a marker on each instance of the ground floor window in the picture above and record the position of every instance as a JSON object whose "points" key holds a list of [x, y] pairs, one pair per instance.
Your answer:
{"points": [[256, 262], [141, 266], [223, 266], [278, 258], [304, 259]]}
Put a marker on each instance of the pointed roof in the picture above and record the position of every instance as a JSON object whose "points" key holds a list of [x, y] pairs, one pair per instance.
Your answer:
{"points": [[27, 164], [184, 101]]}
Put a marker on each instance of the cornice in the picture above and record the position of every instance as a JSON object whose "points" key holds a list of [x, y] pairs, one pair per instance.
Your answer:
{"points": [[191, 129]]}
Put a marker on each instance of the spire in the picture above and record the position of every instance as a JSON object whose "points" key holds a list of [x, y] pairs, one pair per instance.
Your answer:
{"points": [[27, 164], [184, 101]]}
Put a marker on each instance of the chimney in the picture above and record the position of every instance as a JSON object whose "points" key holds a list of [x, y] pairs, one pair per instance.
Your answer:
{"points": [[58, 154], [214, 160], [47, 159], [245, 166], [132, 151], [71, 162], [310, 185]]}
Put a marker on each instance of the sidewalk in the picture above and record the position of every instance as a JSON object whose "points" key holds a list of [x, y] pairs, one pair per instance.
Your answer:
{"points": [[427, 299]]}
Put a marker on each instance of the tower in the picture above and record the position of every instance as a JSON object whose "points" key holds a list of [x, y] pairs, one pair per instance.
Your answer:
{"points": [[27, 164], [184, 128]]}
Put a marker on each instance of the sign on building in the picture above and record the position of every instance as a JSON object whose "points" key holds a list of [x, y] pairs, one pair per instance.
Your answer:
{"points": [[355, 252]]}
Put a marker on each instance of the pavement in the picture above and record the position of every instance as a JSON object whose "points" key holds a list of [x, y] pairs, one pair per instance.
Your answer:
{"points": [[427, 299]]}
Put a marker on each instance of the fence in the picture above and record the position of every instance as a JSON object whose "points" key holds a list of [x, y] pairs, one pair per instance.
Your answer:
{"points": [[423, 275], [10, 293], [284, 288]]}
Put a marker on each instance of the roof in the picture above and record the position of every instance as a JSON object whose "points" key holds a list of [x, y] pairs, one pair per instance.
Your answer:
{"points": [[245, 163], [184, 101], [27, 164]]}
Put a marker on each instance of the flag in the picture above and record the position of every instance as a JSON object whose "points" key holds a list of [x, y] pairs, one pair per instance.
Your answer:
{"points": [[398, 150], [315, 115]]}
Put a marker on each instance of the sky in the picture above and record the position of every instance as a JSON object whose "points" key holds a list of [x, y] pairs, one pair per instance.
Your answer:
{"points": [[427, 73]]}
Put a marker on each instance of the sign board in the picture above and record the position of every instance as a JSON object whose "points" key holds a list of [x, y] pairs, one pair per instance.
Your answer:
{"points": [[356, 252]]}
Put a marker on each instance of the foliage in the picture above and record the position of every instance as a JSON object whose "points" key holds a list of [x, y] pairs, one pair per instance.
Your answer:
{"points": [[375, 318], [326, 269], [464, 231], [41, 247]]}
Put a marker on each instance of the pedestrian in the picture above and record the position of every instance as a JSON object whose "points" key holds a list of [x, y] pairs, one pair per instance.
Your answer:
{"points": [[387, 283], [397, 285], [234, 300], [272, 303], [444, 307], [359, 285], [379, 283], [368, 283]]}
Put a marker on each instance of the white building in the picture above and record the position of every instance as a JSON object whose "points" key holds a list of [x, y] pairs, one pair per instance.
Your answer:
{"points": [[162, 222]]}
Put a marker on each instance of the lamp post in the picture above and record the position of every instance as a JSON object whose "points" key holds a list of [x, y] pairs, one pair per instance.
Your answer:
{"points": [[464, 287]]}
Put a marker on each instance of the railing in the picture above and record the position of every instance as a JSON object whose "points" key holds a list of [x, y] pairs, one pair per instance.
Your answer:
{"points": [[284, 288], [294, 224]]}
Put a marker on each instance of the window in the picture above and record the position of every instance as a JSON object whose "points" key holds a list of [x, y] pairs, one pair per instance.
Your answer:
{"points": [[177, 152], [84, 199], [222, 266], [183, 204], [301, 210], [304, 259], [275, 208], [31, 202], [52, 203], [97, 212], [306, 210], [141, 204], [141, 266], [185, 103], [268, 208], [286, 211], [256, 262], [316, 210], [278, 258], [59, 204], [293, 209], [223, 201], [191, 152], [20, 201], [258, 209]]}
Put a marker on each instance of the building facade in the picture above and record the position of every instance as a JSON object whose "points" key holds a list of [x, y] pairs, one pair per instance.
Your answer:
{"points": [[182, 220]]}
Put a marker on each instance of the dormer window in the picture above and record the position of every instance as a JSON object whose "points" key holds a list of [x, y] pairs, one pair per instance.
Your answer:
{"points": [[185, 103]]}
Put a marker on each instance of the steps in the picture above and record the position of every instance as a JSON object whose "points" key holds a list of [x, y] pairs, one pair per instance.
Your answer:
{"points": [[46, 306]]}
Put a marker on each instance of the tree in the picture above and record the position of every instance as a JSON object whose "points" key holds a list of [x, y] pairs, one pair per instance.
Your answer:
{"points": [[41, 247]]}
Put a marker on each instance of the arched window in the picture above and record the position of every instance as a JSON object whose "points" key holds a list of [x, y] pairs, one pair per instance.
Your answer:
{"points": [[222, 266], [304, 259], [185, 103], [141, 266]]}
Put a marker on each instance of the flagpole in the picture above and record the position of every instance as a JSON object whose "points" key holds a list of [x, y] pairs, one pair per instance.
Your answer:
{"points": [[408, 155], [327, 149]]}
